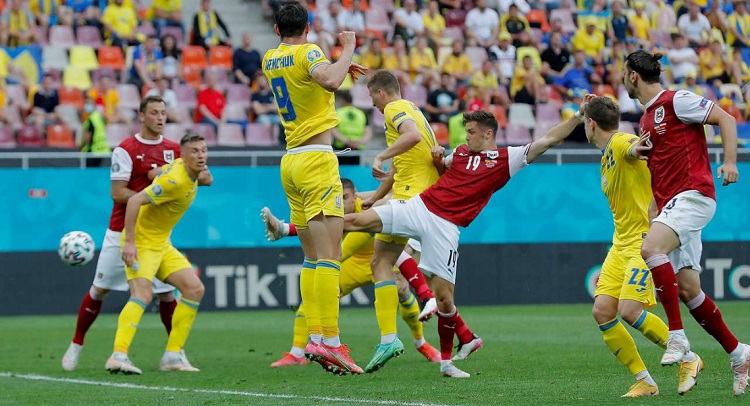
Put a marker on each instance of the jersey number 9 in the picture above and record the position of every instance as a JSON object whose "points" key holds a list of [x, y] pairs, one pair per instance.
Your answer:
{"points": [[281, 94]]}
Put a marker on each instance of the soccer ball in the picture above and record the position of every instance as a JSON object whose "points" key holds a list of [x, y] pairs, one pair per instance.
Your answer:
{"points": [[76, 248]]}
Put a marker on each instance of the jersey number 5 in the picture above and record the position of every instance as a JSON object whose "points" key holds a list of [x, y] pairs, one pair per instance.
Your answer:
{"points": [[281, 94]]}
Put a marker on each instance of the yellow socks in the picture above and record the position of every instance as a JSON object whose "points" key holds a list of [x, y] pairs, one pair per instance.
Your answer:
{"points": [[386, 306], [652, 328], [182, 322], [622, 345], [410, 314], [301, 334], [127, 324], [327, 295], [307, 290]]}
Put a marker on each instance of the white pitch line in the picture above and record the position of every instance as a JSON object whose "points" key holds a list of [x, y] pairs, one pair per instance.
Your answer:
{"points": [[34, 377]]}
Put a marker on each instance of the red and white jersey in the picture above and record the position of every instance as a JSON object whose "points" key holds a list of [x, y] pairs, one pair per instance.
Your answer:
{"points": [[468, 184], [679, 158], [131, 162]]}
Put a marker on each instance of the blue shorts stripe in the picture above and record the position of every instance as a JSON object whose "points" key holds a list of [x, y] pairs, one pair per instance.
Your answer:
{"points": [[608, 325], [328, 264], [139, 302], [385, 283], [640, 320], [309, 263], [326, 193]]}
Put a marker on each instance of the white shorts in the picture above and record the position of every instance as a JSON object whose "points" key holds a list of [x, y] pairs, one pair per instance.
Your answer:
{"points": [[110, 270], [439, 237], [686, 214], [415, 245]]}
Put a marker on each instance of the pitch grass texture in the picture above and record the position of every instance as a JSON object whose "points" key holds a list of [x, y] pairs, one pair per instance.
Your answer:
{"points": [[532, 355]]}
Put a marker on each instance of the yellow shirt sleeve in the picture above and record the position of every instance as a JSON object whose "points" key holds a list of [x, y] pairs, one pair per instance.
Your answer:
{"points": [[313, 57], [621, 145], [108, 17], [163, 189], [353, 243], [395, 114]]}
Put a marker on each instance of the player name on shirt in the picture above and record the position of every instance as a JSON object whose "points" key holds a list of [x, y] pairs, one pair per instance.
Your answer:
{"points": [[279, 63]]}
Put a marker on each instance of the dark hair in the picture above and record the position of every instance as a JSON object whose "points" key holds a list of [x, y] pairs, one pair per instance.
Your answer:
{"points": [[190, 136], [385, 80], [604, 112], [174, 52], [148, 100], [645, 64], [483, 118], [291, 19], [347, 184], [345, 97]]}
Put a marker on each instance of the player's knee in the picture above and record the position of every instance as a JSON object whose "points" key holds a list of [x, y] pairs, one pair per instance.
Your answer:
{"points": [[444, 301], [195, 291], [603, 314], [630, 311], [688, 291], [143, 295], [98, 293], [403, 291]]}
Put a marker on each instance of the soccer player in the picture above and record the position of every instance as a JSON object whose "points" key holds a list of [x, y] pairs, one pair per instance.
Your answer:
{"points": [[303, 81], [148, 253], [135, 162], [410, 140], [357, 249], [625, 284], [674, 143], [473, 172]]}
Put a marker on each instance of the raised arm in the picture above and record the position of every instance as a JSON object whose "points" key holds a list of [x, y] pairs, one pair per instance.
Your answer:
{"points": [[553, 137], [331, 76]]}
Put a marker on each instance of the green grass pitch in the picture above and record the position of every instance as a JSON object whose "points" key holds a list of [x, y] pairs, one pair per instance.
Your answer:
{"points": [[533, 355]]}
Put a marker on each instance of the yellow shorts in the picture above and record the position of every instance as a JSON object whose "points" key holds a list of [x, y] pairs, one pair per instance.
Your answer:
{"points": [[158, 264], [625, 275], [312, 185], [355, 273]]}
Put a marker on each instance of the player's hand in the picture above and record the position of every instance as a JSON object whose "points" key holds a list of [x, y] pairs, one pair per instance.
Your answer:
{"points": [[438, 153], [731, 175], [356, 70], [348, 38], [643, 147], [586, 99], [129, 253], [377, 169], [367, 203]]}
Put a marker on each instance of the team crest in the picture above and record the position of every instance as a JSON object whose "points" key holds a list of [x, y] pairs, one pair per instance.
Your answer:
{"points": [[338, 202], [168, 156], [659, 115], [156, 190], [490, 162], [313, 55], [493, 154]]}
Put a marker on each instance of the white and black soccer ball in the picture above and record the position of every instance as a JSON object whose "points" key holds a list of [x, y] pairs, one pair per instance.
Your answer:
{"points": [[76, 248]]}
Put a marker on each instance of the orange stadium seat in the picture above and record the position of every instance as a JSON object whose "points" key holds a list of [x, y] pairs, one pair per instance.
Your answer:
{"points": [[194, 57], [538, 19], [191, 76], [70, 96], [60, 136], [441, 133], [220, 56], [111, 57], [500, 116]]}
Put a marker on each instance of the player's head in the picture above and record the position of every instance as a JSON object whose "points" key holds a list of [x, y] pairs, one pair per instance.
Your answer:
{"points": [[384, 88], [153, 115], [600, 116], [194, 151], [350, 195], [481, 127], [345, 98], [291, 21], [642, 68]]}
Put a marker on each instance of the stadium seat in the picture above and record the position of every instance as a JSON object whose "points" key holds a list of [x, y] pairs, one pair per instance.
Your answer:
{"points": [[84, 57], [538, 35], [186, 96], [538, 19], [206, 131], [76, 77], [230, 135], [477, 56], [732, 90], [517, 135], [220, 57], [552, 95], [234, 112], [173, 132], [183, 114], [60, 136], [62, 36], [626, 127], [377, 19], [191, 76], [13, 114], [89, 35], [97, 74], [69, 115], [111, 57], [603, 89], [521, 114], [386, 5], [238, 93], [663, 38], [145, 30], [70, 96], [455, 18], [41, 36], [6, 137], [441, 133], [533, 52], [177, 33], [375, 34], [542, 126], [566, 18], [129, 96], [54, 58], [30, 136], [117, 133], [16, 96], [361, 96], [416, 94], [500, 137], [453, 33], [194, 57], [260, 135], [548, 112], [500, 116]]}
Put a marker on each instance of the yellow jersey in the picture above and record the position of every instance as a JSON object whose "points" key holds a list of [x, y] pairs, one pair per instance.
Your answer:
{"points": [[170, 194], [415, 171], [457, 64], [626, 182], [358, 245], [305, 107], [122, 19]]}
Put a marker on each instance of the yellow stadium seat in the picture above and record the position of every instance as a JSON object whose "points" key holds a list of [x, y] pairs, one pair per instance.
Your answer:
{"points": [[76, 77], [84, 57]]}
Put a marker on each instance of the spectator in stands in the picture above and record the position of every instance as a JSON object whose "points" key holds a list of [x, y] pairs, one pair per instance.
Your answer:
{"points": [[619, 26], [107, 101], [3, 105], [526, 86], [458, 64], [167, 13], [170, 99], [206, 25], [373, 56], [693, 25], [577, 75], [573, 98], [517, 26], [147, 64], [262, 102], [682, 58], [408, 21], [46, 100], [434, 24], [482, 25], [738, 27], [614, 64], [170, 65], [17, 27], [399, 62], [715, 14], [474, 99], [714, 62], [554, 58], [120, 22], [352, 20], [90, 17], [503, 6], [211, 103], [487, 83], [94, 137], [319, 36], [422, 63], [329, 18], [556, 26], [689, 83], [45, 12], [641, 23], [79, 6], [246, 60], [446, 5], [631, 110], [740, 69], [456, 129], [442, 103], [353, 131], [591, 41], [505, 55]]}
